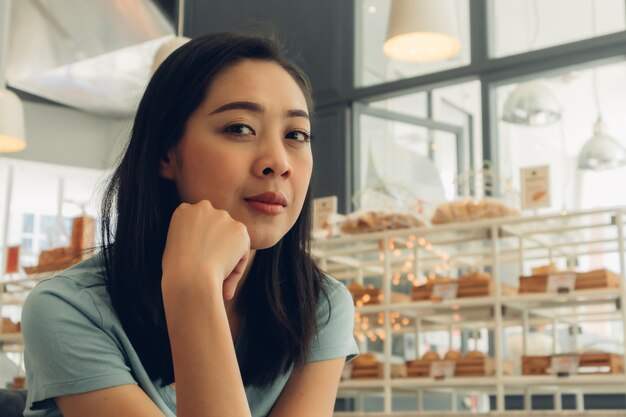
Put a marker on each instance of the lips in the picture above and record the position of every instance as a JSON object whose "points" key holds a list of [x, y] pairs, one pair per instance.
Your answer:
{"points": [[269, 197]]}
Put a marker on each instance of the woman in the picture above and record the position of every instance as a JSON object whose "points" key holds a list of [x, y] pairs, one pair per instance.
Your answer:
{"points": [[204, 301]]}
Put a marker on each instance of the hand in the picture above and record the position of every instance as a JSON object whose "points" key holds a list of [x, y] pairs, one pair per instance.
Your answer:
{"points": [[206, 249]]}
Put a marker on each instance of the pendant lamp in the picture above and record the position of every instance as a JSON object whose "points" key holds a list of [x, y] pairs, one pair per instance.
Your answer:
{"points": [[174, 43], [601, 152], [166, 49], [422, 31], [531, 104], [12, 137]]}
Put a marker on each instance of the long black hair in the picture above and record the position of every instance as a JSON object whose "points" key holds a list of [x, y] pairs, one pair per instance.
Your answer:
{"points": [[280, 296]]}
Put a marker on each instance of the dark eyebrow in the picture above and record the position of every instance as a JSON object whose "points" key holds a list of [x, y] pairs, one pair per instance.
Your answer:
{"points": [[256, 108]]}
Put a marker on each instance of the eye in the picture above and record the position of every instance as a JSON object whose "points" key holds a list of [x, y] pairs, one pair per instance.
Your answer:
{"points": [[239, 130], [299, 135]]}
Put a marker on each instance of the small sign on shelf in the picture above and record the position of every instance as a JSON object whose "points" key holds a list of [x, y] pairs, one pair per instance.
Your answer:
{"points": [[442, 369], [561, 283], [564, 365], [535, 187], [447, 291]]}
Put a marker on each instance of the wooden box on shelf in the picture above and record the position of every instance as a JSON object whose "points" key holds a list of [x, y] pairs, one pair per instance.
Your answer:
{"points": [[8, 326], [418, 368], [588, 363], [536, 365], [366, 366], [475, 284], [57, 259], [424, 292], [533, 283], [614, 363], [601, 278]]}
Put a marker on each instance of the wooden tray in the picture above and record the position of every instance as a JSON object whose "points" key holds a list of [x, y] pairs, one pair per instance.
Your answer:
{"points": [[535, 365], [614, 362], [600, 278], [369, 371]]}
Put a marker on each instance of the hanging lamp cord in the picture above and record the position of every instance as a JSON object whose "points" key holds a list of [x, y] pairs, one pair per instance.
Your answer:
{"points": [[181, 17]]}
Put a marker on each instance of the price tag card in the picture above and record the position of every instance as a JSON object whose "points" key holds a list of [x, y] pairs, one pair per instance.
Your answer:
{"points": [[535, 187], [442, 369], [323, 208], [445, 291], [563, 282], [563, 365]]}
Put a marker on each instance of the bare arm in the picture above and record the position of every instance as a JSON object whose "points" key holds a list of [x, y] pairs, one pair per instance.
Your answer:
{"points": [[205, 255], [310, 391]]}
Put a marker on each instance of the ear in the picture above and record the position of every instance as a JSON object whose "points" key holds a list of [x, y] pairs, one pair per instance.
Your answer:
{"points": [[167, 165]]}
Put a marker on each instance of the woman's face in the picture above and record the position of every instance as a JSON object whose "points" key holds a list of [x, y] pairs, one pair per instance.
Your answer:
{"points": [[246, 149]]}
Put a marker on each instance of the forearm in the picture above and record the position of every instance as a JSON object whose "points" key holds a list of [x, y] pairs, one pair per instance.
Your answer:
{"points": [[208, 381]]}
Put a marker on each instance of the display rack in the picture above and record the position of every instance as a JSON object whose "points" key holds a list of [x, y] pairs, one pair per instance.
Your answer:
{"points": [[506, 248]]}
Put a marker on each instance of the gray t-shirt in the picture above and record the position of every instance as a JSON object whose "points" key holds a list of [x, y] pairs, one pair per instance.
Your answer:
{"points": [[74, 343]]}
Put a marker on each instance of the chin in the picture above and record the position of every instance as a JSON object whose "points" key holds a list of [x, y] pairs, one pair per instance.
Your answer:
{"points": [[264, 242]]}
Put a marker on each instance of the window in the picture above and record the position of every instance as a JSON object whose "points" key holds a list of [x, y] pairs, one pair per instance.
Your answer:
{"points": [[519, 26]]}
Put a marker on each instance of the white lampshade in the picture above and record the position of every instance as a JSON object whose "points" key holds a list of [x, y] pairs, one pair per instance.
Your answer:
{"points": [[166, 49], [422, 31], [531, 104], [12, 138], [601, 152]]}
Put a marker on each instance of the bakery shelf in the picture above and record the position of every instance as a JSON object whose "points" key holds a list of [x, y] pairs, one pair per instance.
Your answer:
{"points": [[553, 300], [506, 248], [617, 381]]}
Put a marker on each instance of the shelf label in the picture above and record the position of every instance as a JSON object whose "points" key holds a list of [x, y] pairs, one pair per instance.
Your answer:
{"points": [[442, 369], [564, 365], [564, 282], [445, 291], [535, 187], [323, 208]]}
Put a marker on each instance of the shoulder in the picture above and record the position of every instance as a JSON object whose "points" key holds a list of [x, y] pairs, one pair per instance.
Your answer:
{"points": [[80, 289], [335, 295], [335, 321]]}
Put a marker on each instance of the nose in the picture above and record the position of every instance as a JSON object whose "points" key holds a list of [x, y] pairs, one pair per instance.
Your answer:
{"points": [[272, 160]]}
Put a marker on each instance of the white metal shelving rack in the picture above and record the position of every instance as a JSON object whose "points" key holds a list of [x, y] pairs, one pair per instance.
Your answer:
{"points": [[518, 242]]}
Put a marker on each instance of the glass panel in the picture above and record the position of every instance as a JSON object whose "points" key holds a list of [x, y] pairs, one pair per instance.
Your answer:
{"points": [[422, 158], [408, 161], [28, 225], [559, 144], [373, 66], [518, 26]]}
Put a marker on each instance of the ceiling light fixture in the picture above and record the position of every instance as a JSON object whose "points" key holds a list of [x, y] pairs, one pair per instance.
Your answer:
{"points": [[531, 104]]}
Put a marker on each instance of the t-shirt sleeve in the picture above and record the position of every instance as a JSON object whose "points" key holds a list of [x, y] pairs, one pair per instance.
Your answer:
{"points": [[335, 337], [66, 349]]}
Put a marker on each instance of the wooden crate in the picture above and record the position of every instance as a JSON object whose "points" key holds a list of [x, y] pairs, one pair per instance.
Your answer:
{"points": [[367, 371], [535, 365], [419, 368], [613, 361], [469, 367], [600, 278], [533, 283], [422, 292], [473, 287]]}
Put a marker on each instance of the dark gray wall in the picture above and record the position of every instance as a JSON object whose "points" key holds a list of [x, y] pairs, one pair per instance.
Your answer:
{"points": [[319, 35]]}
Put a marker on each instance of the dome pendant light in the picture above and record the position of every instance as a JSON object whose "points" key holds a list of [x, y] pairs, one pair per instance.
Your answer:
{"points": [[12, 137], [422, 31], [531, 104], [601, 152]]}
